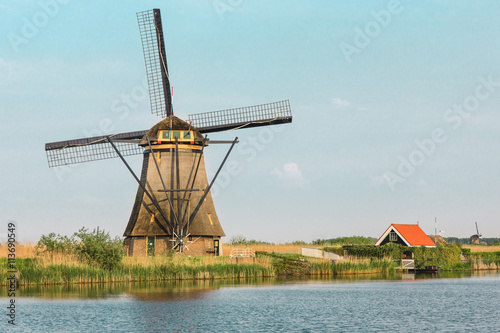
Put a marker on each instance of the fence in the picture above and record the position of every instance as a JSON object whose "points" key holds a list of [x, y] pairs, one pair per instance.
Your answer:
{"points": [[242, 253]]}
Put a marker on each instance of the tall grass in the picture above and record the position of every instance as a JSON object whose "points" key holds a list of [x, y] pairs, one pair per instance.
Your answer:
{"points": [[484, 264], [23, 250], [56, 270], [346, 267], [289, 264]]}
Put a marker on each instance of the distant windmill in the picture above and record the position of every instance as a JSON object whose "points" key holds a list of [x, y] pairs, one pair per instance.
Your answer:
{"points": [[474, 239], [173, 209]]}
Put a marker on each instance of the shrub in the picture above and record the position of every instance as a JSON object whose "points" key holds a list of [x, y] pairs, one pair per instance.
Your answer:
{"points": [[337, 250], [353, 240], [241, 240], [97, 248], [55, 244], [388, 250], [466, 252]]}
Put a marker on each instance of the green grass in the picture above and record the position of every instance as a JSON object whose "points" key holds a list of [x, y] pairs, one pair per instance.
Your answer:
{"points": [[294, 264], [381, 266], [29, 271]]}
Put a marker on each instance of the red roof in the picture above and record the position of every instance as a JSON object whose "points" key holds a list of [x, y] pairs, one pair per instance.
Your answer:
{"points": [[411, 233]]}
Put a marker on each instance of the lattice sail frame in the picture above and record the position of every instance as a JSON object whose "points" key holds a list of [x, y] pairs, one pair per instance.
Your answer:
{"points": [[153, 45], [92, 149], [249, 116], [97, 148]]}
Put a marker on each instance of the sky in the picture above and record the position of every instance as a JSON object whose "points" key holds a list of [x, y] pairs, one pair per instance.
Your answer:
{"points": [[395, 112]]}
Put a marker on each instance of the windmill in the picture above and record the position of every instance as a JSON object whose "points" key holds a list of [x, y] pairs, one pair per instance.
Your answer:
{"points": [[173, 208], [475, 239]]}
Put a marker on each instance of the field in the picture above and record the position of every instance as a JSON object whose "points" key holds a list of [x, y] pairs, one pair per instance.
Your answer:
{"points": [[482, 248], [291, 248]]}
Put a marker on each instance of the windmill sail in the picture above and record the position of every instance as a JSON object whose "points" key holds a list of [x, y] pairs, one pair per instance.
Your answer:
{"points": [[151, 30], [92, 149], [245, 117]]}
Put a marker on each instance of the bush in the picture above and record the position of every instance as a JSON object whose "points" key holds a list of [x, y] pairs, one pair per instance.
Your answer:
{"points": [[55, 244], [394, 251], [95, 248], [466, 252], [337, 250], [353, 240], [241, 240]]}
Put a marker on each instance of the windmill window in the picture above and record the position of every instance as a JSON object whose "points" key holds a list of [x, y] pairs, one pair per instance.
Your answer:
{"points": [[393, 237], [187, 135], [176, 135], [165, 135]]}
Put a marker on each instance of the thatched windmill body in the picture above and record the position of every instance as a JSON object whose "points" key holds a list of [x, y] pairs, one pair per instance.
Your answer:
{"points": [[173, 208]]}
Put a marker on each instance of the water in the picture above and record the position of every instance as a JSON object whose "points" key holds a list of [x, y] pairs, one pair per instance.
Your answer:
{"points": [[403, 303]]}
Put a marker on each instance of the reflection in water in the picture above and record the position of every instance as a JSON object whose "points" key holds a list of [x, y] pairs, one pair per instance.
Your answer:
{"points": [[361, 303], [197, 289]]}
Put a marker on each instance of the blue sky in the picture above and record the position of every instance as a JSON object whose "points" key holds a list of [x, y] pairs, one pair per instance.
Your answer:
{"points": [[395, 107]]}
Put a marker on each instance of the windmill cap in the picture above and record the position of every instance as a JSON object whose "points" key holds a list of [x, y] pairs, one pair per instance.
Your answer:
{"points": [[164, 125]]}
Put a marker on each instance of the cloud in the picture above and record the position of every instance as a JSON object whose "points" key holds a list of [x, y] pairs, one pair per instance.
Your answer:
{"points": [[292, 171], [340, 102], [289, 171]]}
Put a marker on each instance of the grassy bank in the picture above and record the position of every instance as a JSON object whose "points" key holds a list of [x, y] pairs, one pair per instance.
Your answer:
{"points": [[47, 268], [58, 269], [449, 257], [293, 264], [346, 267], [42, 271]]}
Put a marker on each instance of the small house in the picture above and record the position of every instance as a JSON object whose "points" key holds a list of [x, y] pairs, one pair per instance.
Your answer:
{"points": [[406, 235]]}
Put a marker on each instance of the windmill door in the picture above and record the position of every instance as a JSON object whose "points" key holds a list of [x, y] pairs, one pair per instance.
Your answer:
{"points": [[151, 246], [216, 247]]}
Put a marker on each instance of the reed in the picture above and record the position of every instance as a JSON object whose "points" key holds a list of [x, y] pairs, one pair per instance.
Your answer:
{"points": [[381, 266], [23, 250], [57, 269]]}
